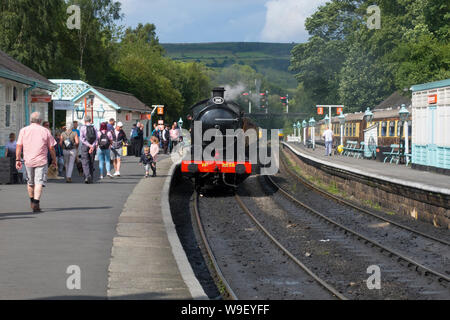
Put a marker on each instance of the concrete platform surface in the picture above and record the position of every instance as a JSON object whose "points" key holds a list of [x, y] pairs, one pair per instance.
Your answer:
{"points": [[395, 173], [114, 231]]}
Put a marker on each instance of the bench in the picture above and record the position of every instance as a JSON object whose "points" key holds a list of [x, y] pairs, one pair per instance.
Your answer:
{"points": [[350, 148], [394, 154], [358, 153]]}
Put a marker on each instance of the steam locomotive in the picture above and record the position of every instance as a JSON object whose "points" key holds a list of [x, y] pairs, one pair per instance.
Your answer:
{"points": [[225, 165]]}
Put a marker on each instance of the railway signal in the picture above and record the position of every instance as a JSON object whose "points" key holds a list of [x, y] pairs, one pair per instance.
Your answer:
{"points": [[285, 102]]}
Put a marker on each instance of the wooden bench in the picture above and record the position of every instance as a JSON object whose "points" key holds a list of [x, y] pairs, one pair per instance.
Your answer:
{"points": [[394, 154]]}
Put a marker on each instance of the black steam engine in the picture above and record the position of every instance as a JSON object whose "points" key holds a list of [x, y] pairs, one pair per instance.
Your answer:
{"points": [[222, 165]]}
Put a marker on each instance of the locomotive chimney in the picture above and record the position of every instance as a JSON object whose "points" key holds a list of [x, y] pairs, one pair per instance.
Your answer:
{"points": [[219, 92]]}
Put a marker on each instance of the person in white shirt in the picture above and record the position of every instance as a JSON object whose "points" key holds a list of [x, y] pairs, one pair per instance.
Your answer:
{"points": [[328, 137]]}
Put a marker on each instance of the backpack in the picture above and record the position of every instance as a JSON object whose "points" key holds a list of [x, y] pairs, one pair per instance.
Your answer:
{"points": [[68, 145], [104, 142], [90, 134]]}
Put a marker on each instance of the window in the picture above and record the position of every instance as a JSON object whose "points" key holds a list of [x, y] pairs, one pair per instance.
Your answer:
{"points": [[8, 94], [8, 116], [409, 128], [346, 130], [383, 129], [392, 129], [14, 94], [400, 129]]}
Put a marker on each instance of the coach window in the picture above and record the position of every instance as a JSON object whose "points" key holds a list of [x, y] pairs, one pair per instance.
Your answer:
{"points": [[391, 128], [409, 128], [383, 128], [354, 130]]}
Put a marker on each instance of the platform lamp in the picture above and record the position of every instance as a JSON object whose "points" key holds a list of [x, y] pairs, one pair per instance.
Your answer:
{"points": [[80, 112], [304, 125], [342, 123], [312, 124], [101, 112], [299, 126], [368, 116], [295, 129], [180, 123], [404, 115]]}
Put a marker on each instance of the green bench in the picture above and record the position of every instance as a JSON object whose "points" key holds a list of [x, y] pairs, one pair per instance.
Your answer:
{"points": [[394, 155], [358, 153], [350, 148]]}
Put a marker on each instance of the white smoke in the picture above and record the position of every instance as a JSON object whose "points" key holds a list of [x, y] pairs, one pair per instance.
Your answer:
{"points": [[233, 92]]}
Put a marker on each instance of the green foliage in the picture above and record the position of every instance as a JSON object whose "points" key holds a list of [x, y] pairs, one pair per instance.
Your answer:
{"points": [[346, 63]]}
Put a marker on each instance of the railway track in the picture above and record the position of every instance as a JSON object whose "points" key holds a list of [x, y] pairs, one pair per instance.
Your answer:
{"points": [[419, 267], [331, 292], [228, 290], [356, 207]]}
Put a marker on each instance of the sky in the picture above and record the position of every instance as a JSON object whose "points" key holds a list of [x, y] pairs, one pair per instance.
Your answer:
{"points": [[188, 21]]}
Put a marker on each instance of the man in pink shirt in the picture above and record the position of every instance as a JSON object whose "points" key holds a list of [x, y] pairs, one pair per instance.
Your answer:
{"points": [[35, 141]]}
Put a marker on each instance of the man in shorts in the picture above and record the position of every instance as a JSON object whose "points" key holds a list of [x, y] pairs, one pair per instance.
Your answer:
{"points": [[119, 140], [35, 141]]}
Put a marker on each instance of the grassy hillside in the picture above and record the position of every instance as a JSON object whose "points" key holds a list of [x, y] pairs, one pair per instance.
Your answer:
{"points": [[270, 59]]}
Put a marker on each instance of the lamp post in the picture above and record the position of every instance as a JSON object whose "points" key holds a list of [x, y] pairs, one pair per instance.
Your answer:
{"points": [[404, 115], [180, 123], [299, 126], [368, 116], [80, 112], [342, 123], [100, 112], [312, 124], [304, 125], [295, 129]]}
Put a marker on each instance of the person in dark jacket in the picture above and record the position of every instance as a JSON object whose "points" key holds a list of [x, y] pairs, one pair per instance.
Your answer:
{"points": [[146, 160], [138, 140]]}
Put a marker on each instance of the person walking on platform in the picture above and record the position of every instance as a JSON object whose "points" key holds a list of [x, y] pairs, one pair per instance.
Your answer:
{"points": [[69, 142], [147, 160], [88, 137], [154, 151], [35, 141], [328, 137], [111, 124], [10, 152], [174, 136], [105, 140], [165, 138], [119, 140]]}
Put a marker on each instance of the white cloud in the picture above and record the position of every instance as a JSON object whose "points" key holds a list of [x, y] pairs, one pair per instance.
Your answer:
{"points": [[285, 20]]}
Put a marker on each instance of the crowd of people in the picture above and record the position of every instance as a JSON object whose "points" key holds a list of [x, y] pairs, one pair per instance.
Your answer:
{"points": [[73, 147]]}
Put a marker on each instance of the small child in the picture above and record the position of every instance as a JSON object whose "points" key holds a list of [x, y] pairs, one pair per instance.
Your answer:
{"points": [[154, 150], [146, 160]]}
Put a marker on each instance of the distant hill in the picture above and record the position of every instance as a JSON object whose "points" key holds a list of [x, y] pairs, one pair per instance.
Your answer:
{"points": [[270, 59]]}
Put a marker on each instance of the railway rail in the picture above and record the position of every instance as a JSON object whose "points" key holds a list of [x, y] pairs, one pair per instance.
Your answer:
{"points": [[420, 268], [330, 290], [354, 206]]}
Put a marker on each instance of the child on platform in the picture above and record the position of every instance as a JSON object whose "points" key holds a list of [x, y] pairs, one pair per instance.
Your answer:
{"points": [[146, 160]]}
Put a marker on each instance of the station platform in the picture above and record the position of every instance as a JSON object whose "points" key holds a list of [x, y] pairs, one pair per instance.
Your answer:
{"points": [[148, 260], [393, 173], [119, 232]]}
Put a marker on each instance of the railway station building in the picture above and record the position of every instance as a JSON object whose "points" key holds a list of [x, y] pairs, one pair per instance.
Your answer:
{"points": [[431, 129], [78, 99], [22, 91]]}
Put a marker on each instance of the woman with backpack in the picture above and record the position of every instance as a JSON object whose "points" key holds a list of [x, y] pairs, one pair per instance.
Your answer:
{"points": [[69, 142], [105, 140]]}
